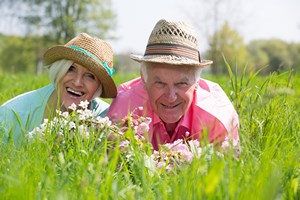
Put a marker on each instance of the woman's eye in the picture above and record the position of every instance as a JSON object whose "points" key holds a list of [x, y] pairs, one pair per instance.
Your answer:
{"points": [[91, 76], [71, 69]]}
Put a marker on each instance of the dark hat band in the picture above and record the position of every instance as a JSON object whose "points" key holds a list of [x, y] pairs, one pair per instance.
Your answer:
{"points": [[173, 49]]}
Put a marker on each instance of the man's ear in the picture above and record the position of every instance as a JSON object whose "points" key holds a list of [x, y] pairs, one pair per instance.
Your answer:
{"points": [[142, 76], [196, 85], [143, 79]]}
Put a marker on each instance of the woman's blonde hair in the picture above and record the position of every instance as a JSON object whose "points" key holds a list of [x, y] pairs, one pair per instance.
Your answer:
{"points": [[58, 69]]}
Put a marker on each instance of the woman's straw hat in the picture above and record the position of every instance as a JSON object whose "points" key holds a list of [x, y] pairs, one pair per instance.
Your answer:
{"points": [[92, 53], [172, 43]]}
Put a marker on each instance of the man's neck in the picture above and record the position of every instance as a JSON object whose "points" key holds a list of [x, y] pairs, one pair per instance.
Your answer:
{"points": [[170, 127]]}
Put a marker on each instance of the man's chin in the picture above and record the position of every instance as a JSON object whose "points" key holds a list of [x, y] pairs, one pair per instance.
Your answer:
{"points": [[170, 120]]}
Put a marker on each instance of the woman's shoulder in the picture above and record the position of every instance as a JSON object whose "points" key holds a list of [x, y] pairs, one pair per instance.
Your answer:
{"points": [[30, 98], [99, 106]]}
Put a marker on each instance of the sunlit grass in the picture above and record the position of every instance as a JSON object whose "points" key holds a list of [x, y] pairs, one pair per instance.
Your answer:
{"points": [[268, 167]]}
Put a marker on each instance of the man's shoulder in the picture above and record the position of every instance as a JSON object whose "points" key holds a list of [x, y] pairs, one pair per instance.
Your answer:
{"points": [[133, 87], [130, 96], [212, 98], [208, 85], [134, 83], [210, 89]]}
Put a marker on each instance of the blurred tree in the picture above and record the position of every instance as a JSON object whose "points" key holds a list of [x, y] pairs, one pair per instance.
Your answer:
{"points": [[275, 53], [53, 22], [259, 58], [23, 49], [61, 20], [123, 64], [228, 43], [294, 50], [209, 16]]}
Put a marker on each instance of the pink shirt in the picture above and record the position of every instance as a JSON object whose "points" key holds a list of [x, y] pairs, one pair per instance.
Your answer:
{"points": [[210, 112]]}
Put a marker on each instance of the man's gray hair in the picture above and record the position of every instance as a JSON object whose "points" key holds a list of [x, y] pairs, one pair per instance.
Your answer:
{"points": [[144, 73]]}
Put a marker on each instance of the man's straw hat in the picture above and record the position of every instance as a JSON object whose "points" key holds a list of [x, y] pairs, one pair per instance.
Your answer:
{"points": [[92, 53], [172, 43]]}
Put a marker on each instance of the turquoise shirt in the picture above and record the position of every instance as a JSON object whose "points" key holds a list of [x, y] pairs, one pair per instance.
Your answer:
{"points": [[26, 111]]}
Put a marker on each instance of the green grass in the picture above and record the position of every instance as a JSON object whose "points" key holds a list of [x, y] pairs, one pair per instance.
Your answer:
{"points": [[268, 168]]}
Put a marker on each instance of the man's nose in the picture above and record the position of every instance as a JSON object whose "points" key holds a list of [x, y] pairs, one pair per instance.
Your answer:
{"points": [[171, 94]]}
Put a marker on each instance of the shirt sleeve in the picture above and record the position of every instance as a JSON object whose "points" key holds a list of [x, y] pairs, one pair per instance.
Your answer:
{"points": [[100, 107], [10, 126], [131, 95]]}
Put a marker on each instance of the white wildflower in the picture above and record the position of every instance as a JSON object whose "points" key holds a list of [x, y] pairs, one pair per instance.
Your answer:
{"points": [[72, 125], [58, 112], [142, 128], [65, 114], [79, 111], [195, 148], [59, 133], [84, 104], [87, 113], [72, 106], [82, 117], [83, 130], [31, 134], [187, 134]]}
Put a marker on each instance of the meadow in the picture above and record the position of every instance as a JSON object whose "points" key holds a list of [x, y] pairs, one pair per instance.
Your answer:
{"points": [[268, 166]]}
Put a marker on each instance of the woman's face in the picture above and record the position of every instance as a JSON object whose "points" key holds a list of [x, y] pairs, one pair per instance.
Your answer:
{"points": [[78, 84]]}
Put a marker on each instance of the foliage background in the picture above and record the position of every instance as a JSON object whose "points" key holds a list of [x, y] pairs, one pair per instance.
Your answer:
{"points": [[268, 107], [268, 168], [47, 23]]}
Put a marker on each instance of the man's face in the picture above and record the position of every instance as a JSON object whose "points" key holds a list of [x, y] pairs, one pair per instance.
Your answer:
{"points": [[170, 89]]}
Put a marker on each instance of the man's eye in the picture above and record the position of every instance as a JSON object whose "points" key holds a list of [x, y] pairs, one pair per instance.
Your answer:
{"points": [[159, 84], [182, 84]]}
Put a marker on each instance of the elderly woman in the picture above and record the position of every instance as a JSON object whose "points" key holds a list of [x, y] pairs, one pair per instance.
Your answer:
{"points": [[79, 70]]}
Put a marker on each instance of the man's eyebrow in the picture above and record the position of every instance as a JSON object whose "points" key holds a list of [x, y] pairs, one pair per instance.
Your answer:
{"points": [[156, 78], [184, 79]]}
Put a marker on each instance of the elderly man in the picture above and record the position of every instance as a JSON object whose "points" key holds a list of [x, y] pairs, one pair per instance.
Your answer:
{"points": [[171, 92]]}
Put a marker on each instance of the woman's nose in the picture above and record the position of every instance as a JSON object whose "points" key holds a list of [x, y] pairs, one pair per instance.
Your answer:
{"points": [[78, 80]]}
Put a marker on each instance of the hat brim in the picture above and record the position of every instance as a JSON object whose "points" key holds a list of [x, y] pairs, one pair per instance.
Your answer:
{"points": [[169, 59], [62, 52]]}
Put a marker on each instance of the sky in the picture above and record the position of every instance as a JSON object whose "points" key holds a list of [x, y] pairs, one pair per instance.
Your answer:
{"points": [[255, 19]]}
